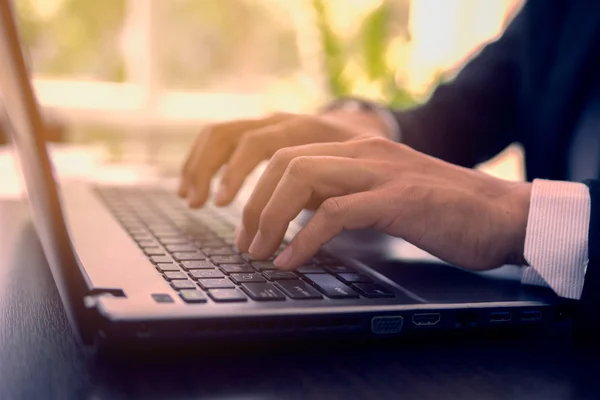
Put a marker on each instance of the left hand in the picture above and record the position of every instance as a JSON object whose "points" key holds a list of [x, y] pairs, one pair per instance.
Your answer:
{"points": [[460, 215]]}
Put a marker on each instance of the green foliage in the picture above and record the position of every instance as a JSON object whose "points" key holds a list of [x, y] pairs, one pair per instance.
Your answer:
{"points": [[335, 57], [67, 38], [368, 47]]}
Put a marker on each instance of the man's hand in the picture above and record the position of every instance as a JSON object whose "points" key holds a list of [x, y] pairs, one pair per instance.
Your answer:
{"points": [[242, 145], [460, 215]]}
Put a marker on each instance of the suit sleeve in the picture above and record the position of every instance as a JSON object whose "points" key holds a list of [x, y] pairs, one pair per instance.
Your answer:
{"points": [[474, 117], [590, 296]]}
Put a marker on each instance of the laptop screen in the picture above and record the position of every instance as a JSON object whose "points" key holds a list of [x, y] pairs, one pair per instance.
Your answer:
{"points": [[25, 127]]}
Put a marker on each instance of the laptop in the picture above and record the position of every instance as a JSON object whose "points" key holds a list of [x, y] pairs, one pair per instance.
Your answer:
{"points": [[134, 264]]}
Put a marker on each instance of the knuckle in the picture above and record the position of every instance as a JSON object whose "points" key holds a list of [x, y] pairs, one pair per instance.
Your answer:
{"points": [[377, 142], [299, 166], [279, 115], [211, 132], [374, 145], [282, 157], [256, 139], [334, 208]]}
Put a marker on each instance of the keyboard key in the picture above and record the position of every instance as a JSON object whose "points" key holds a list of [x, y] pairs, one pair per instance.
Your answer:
{"points": [[331, 286], [227, 259], [172, 248], [174, 240], [167, 267], [180, 285], [299, 290], [202, 264], [249, 258], [226, 295], [236, 268], [148, 243], [142, 236], [264, 265], [279, 275], [174, 275], [252, 277], [310, 269], [200, 238], [206, 273], [372, 290], [133, 229], [165, 233], [339, 269], [189, 256], [219, 251], [209, 243], [327, 260], [154, 251], [262, 291], [354, 278], [160, 259], [229, 241], [162, 298], [193, 296], [222, 283]]}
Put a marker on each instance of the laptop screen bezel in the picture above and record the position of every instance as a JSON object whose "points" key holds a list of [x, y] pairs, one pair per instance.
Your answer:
{"points": [[26, 130]]}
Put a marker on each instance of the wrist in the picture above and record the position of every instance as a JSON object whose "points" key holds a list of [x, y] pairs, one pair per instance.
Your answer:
{"points": [[381, 120], [364, 122], [517, 215]]}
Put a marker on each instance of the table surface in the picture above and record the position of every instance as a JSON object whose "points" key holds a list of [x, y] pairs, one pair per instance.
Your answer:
{"points": [[40, 358]]}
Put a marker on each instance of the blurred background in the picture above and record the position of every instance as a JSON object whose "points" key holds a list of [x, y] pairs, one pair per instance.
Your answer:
{"points": [[133, 81]]}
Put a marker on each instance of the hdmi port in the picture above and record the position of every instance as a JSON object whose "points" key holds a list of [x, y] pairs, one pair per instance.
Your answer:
{"points": [[500, 316], [426, 319]]}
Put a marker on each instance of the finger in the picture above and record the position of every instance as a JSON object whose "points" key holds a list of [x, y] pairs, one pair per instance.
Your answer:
{"points": [[254, 147], [270, 178], [307, 178], [354, 211], [211, 150], [262, 144], [184, 182]]}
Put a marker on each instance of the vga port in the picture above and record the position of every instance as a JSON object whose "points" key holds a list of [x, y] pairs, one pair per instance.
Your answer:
{"points": [[387, 325]]}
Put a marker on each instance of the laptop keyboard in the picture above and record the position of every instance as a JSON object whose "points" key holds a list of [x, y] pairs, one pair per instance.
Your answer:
{"points": [[194, 251]]}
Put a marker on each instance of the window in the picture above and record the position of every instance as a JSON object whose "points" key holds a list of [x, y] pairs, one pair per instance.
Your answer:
{"points": [[146, 70]]}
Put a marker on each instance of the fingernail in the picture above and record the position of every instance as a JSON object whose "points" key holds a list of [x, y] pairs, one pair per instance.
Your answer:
{"points": [[257, 244], [192, 197], [241, 238], [221, 196], [284, 258]]}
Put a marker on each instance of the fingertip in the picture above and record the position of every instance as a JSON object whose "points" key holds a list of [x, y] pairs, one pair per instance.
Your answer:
{"points": [[195, 198], [182, 190], [242, 240], [284, 259], [222, 197]]}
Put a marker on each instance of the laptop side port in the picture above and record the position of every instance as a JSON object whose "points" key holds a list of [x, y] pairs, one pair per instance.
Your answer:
{"points": [[426, 319], [531, 315], [500, 316], [387, 325]]}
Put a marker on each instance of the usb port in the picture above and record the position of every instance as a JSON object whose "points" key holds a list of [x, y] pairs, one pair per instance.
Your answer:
{"points": [[426, 319], [531, 315], [500, 316]]}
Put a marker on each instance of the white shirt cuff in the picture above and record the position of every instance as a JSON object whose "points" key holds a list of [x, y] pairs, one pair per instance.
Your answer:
{"points": [[556, 240]]}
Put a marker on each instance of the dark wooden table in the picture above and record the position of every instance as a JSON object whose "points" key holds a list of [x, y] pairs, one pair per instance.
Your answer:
{"points": [[40, 358]]}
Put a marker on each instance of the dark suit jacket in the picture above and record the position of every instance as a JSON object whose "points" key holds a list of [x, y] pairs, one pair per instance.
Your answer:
{"points": [[530, 86]]}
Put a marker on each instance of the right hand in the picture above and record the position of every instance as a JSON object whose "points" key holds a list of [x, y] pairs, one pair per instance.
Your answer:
{"points": [[241, 145]]}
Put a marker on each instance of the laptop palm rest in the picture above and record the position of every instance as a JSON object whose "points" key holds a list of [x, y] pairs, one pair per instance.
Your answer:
{"points": [[434, 281], [441, 283]]}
